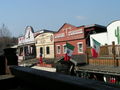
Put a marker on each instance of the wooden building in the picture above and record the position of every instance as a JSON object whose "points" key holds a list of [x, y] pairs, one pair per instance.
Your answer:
{"points": [[26, 45], [45, 44], [77, 36]]}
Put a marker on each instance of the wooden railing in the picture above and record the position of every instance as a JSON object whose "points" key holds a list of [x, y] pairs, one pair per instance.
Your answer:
{"points": [[108, 55], [42, 80], [106, 51]]}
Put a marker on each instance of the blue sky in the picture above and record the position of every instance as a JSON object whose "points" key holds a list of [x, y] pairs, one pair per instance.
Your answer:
{"points": [[52, 14]]}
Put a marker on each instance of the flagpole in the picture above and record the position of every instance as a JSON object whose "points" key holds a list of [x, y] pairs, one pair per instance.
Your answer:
{"points": [[65, 55]]}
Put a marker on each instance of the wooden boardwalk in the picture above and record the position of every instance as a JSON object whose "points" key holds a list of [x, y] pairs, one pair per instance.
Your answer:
{"points": [[100, 69]]}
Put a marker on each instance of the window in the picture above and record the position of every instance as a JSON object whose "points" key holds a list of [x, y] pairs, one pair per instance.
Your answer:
{"points": [[47, 50], [80, 47], [36, 41], [41, 50], [21, 51], [26, 50], [64, 48], [58, 49]]}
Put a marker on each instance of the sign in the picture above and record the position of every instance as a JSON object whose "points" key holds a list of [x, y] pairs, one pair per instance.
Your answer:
{"points": [[74, 32], [21, 40], [29, 35], [60, 35], [70, 33], [68, 28]]}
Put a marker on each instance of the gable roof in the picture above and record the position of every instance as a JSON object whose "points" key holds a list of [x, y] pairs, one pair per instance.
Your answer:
{"points": [[30, 29], [64, 25]]}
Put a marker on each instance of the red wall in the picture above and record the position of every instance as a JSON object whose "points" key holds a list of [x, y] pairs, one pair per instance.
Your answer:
{"points": [[70, 34], [74, 43]]}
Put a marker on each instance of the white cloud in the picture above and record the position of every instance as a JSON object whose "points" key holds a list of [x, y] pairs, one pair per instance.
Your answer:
{"points": [[81, 17]]}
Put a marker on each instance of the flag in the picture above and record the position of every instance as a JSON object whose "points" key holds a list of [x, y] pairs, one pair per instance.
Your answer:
{"points": [[40, 59], [70, 49], [66, 58], [95, 49]]}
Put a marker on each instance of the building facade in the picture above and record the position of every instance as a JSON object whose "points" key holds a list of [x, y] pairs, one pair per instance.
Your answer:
{"points": [[112, 34], [77, 36], [53, 44], [26, 45], [45, 44], [69, 34]]}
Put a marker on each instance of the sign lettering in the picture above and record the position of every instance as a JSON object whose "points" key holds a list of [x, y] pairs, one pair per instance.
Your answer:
{"points": [[60, 35], [79, 31]]}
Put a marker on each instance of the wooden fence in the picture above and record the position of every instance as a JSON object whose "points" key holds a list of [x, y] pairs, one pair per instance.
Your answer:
{"points": [[109, 55], [107, 51]]}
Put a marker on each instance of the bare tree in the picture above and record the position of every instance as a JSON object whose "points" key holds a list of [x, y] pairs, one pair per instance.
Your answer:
{"points": [[4, 32], [5, 37]]}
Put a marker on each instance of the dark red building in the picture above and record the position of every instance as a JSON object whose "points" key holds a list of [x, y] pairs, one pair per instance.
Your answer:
{"points": [[77, 36]]}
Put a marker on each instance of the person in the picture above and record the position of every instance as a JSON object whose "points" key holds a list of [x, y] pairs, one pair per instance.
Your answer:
{"points": [[40, 59]]}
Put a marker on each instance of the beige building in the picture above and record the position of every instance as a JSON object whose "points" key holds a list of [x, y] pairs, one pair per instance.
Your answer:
{"points": [[45, 44]]}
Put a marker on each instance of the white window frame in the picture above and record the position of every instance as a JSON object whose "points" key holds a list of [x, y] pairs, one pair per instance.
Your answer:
{"points": [[79, 47], [64, 49], [57, 49]]}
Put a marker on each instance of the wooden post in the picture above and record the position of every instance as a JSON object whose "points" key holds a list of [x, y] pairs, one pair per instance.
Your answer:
{"points": [[87, 56], [114, 53]]}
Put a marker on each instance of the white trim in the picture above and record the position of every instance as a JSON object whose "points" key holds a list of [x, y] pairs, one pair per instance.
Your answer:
{"points": [[78, 47], [64, 48], [57, 49]]}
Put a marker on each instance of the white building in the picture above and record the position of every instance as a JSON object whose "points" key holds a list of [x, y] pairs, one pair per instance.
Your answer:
{"points": [[100, 37], [112, 34], [26, 44]]}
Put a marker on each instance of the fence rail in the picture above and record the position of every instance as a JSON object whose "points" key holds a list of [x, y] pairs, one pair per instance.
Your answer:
{"points": [[107, 51]]}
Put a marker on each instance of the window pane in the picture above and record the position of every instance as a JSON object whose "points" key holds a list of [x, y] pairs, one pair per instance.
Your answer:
{"points": [[41, 50], [58, 49], [21, 51], [64, 48], [80, 47], [47, 50]]}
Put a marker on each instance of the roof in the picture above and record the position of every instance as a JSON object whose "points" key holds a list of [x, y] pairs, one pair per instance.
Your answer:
{"points": [[42, 31], [94, 25], [29, 27], [45, 30], [113, 22], [64, 25]]}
